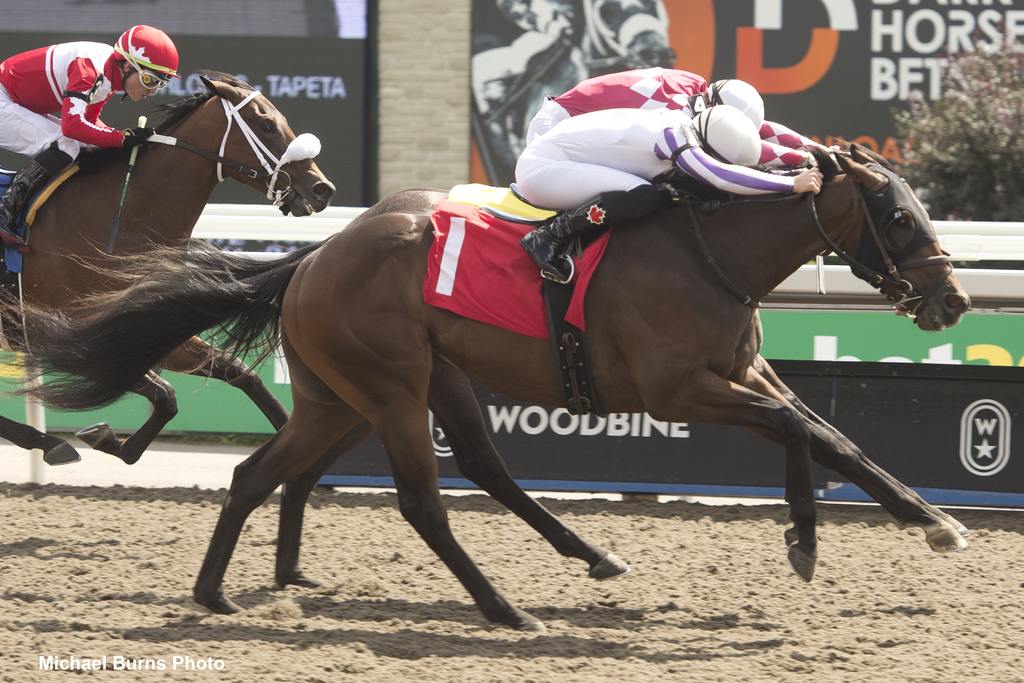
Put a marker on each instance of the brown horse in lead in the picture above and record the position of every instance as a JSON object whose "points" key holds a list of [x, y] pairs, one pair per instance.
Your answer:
{"points": [[668, 335], [169, 188]]}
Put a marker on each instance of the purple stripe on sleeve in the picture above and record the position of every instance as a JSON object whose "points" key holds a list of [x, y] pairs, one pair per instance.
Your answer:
{"points": [[685, 166], [670, 143], [756, 180]]}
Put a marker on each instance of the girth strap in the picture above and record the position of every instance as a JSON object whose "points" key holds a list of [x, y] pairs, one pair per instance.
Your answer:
{"points": [[570, 351]]}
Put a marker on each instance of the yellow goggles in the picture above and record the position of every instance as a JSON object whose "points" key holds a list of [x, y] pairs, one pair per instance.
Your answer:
{"points": [[150, 79]]}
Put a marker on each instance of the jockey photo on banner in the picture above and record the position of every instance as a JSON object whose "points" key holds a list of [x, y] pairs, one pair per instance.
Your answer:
{"points": [[527, 50]]}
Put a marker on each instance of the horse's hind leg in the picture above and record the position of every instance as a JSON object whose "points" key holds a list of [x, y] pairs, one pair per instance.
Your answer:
{"points": [[403, 429], [55, 451], [160, 394], [196, 357], [290, 452], [294, 495], [834, 450], [455, 407]]}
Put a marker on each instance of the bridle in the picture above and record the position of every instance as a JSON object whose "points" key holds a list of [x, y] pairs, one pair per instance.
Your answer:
{"points": [[304, 146], [905, 297]]}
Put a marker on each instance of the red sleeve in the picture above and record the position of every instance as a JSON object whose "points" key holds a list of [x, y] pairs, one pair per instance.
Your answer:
{"points": [[80, 120]]}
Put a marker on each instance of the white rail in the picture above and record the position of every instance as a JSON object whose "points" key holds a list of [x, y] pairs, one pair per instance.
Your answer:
{"points": [[1001, 290], [966, 240]]}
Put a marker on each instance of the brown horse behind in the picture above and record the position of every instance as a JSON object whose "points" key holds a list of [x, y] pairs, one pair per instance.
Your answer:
{"points": [[169, 188], [666, 336]]}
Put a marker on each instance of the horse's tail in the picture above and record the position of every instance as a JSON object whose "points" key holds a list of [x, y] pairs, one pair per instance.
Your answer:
{"points": [[113, 339]]}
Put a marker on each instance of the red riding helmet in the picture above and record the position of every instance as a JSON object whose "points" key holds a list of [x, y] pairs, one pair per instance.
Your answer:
{"points": [[149, 49]]}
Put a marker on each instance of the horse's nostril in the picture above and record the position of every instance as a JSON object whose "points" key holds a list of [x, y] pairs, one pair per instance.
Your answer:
{"points": [[956, 303], [323, 188]]}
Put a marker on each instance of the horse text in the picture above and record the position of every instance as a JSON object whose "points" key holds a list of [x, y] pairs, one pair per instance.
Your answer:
{"points": [[929, 32]]}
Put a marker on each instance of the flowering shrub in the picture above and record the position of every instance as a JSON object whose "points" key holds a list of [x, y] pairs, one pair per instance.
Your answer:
{"points": [[965, 151]]}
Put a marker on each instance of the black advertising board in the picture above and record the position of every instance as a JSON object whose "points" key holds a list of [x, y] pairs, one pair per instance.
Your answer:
{"points": [[944, 430], [826, 68], [296, 53]]}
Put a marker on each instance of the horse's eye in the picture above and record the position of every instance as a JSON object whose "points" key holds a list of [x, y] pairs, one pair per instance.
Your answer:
{"points": [[268, 126]]}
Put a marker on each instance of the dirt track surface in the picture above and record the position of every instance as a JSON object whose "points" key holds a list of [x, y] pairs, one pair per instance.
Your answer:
{"points": [[91, 572]]}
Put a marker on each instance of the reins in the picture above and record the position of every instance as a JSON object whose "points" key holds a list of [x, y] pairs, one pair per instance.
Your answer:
{"points": [[897, 289], [709, 258]]}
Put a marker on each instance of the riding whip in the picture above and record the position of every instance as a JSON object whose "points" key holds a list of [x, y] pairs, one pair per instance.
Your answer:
{"points": [[124, 192]]}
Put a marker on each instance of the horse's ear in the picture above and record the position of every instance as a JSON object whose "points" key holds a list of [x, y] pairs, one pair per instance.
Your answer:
{"points": [[219, 88], [826, 165], [876, 182], [866, 155], [859, 153], [209, 84]]}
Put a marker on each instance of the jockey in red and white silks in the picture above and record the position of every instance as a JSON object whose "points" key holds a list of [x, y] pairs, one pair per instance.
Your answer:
{"points": [[74, 80], [658, 88], [621, 149]]}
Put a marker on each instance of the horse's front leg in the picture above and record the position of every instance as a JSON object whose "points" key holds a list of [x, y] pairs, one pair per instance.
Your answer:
{"points": [[196, 357], [165, 406], [834, 450], [707, 397]]}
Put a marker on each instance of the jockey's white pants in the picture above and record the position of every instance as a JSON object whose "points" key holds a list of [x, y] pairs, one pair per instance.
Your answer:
{"points": [[597, 152], [26, 132], [549, 116]]}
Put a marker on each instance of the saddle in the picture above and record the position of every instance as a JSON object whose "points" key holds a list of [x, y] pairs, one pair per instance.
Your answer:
{"points": [[506, 272], [12, 255]]}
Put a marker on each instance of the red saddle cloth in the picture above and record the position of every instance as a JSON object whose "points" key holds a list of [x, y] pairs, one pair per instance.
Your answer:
{"points": [[477, 269]]}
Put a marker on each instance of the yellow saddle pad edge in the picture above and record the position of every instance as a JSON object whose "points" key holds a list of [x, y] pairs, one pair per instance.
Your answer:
{"points": [[501, 199], [45, 193]]}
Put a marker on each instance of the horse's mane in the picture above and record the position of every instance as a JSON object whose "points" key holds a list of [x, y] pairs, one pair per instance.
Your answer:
{"points": [[174, 112]]}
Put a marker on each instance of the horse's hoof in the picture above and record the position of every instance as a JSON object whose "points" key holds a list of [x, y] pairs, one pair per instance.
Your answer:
{"points": [[100, 437], [803, 561], [521, 621], [609, 567], [296, 578], [216, 602], [61, 454], [944, 538], [960, 528]]}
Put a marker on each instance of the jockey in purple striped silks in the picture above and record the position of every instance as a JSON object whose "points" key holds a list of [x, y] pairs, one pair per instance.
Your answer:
{"points": [[657, 88], [598, 167]]}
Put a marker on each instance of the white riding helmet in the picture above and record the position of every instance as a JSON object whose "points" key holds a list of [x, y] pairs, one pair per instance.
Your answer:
{"points": [[739, 94], [726, 133]]}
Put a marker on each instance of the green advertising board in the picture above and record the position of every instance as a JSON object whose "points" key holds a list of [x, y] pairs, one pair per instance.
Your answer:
{"points": [[981, 339]]}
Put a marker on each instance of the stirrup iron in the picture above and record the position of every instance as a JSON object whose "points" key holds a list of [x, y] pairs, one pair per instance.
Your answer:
{"points": [[560, 281]]}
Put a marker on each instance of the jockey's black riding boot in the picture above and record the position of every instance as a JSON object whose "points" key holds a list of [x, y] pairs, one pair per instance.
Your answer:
{"points": [[37, 171], [544, 245]]}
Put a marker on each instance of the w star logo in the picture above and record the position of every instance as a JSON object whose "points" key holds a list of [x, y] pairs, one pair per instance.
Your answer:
{"points": [[985, 437], [595, 214]]}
